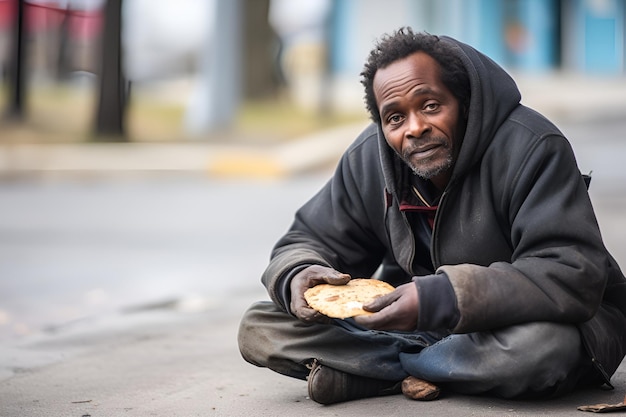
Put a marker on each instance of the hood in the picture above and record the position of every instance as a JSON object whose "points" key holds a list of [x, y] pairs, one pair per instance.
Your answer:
{"points": [[494, 95]]}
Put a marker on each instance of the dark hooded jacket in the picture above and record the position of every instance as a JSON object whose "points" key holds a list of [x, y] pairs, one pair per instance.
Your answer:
{"points": [[515, 237]]}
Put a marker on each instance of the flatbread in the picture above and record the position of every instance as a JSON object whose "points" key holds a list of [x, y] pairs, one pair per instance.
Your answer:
{"points": [[343, 301]]}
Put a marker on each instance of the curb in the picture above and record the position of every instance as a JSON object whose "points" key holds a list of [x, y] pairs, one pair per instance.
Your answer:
{"points": [[220, 160], [312, 152], [566, 97]]}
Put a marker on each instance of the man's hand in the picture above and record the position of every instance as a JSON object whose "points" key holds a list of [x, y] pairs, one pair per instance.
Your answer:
{"points": [[307, 278], [397, 310]]}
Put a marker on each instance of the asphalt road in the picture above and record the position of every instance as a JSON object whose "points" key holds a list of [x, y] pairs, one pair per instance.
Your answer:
{"points": [[72, 249]]}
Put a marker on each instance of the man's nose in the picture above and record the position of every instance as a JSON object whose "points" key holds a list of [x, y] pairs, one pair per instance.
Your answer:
{"points": [[417, 126]]}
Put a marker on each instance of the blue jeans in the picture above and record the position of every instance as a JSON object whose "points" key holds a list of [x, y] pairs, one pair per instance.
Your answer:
{"points": [[529, 359]]}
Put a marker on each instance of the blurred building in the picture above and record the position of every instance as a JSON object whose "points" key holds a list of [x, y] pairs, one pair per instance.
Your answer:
{"points": [[579, 35], [586, 37], [61, 35], [162, 38]]}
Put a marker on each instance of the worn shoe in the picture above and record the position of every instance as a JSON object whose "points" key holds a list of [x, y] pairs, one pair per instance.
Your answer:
{"points": [[329, 386], [418, 389]]}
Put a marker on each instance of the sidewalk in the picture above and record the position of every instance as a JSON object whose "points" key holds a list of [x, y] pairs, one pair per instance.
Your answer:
{"points": [[169, 363], [223, 160]]}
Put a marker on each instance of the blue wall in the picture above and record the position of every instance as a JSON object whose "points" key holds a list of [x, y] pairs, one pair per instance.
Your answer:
{"points": [[530, 35], [598, 30]]}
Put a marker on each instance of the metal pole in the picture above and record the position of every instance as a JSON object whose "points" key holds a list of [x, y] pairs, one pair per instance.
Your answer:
{"points": [[217, 98]]}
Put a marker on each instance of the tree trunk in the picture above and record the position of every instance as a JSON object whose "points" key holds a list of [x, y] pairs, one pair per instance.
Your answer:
{"points": [[260, 77], [17, 68], [62, 64], [110, 116]]}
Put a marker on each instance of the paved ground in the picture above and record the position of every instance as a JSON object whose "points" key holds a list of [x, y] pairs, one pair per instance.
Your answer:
{"points": [[168, 363], [170, 360]]}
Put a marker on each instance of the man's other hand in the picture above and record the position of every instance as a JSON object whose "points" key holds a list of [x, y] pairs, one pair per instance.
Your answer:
{"points": [[397, 310], [308, 278]]}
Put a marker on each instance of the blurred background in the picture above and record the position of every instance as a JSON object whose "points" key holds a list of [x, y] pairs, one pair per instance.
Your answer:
{"points": [[140, 70], [152, 151]]}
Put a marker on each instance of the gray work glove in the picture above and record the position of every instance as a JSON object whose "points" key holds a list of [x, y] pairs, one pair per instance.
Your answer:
{"points": [[308, 278]]}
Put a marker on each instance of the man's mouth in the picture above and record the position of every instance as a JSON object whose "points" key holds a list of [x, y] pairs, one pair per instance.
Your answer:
{"points": [[422, 151]]}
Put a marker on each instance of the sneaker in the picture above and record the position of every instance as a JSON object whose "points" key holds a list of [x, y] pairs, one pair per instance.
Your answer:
{"points": [[329, 386], [418, 389]]}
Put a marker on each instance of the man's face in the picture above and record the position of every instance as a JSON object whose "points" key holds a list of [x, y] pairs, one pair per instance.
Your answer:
{"points": [[420, 117]]}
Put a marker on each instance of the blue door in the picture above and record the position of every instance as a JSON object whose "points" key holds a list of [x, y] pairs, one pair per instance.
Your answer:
{"points": [[601, 25]]}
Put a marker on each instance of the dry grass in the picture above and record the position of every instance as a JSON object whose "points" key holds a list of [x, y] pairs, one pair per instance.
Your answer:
{"points": [[58, 113]]}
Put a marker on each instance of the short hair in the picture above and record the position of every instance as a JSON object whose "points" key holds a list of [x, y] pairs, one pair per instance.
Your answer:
{"points": [[404, 42]]}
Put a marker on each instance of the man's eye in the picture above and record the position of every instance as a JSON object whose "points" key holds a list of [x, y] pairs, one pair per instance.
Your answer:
{"points": [[431, 106], [396, 118]]}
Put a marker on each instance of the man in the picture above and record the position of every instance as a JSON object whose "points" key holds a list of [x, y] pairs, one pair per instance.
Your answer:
{"points": [[472, 206]]}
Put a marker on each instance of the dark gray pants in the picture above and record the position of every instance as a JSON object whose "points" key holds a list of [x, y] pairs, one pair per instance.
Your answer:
{"points": [[530, 359]]}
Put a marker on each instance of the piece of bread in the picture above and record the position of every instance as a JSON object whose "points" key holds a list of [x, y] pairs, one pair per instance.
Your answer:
{"points": [[343, 301]]}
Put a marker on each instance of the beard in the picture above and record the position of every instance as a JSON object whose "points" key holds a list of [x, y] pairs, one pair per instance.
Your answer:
{"points": [[433, 165]]}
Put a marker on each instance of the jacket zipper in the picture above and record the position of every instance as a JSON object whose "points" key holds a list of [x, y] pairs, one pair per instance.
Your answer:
{"points": [[389, 204], [434, 252]]}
